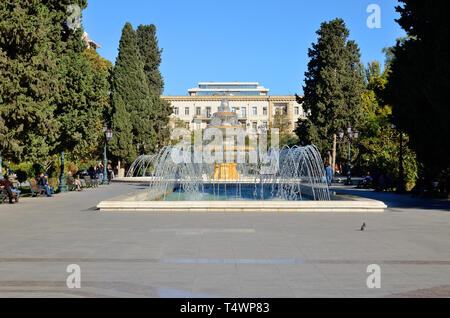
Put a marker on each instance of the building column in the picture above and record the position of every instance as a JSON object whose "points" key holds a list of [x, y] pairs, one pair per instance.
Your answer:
{"points": [[291, 114]]}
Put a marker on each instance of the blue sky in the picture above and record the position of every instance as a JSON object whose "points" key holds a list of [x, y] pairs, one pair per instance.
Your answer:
{"points": [[246, 40]]}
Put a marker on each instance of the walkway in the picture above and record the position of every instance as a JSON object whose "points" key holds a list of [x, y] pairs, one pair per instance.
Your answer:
{"points": [[219, 254]]}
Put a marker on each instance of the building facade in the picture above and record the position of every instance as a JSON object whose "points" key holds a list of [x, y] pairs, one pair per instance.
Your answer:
{"points": [[252, 103]]}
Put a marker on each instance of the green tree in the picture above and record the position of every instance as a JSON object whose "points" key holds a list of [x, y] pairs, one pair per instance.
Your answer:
{"points": [[122, 143], [151, 56], [28, 85], [52, 98], [282, 122], [130, 87], [379, 143], [83, 90], [333, 86], [419, 83]]}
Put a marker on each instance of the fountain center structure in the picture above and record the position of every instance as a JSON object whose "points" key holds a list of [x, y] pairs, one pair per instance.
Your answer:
{"points": [[227, 122]]}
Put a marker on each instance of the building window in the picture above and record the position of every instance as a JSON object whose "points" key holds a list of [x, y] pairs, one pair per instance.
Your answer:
{"points": [[254, 125], [244, 112], [208, 112], [296, 111], [198, 111], [265, 111], [175, 111], [281, 108], [254, 111], [233, 109], [186, 110], [199, 126], [264, 125]]}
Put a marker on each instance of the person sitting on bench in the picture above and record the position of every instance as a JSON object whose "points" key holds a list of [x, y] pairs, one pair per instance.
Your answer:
{"points": [[43, 184], [7, 185], [72, 181]]}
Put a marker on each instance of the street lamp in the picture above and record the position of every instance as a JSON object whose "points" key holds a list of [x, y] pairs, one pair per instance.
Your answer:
{"points": [[1, 175], [401, 182], [108, 135], [351, 135], [62, 176]]}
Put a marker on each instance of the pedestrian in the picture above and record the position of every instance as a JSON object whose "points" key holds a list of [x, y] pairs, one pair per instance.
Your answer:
{"points": [[6, 185], [329, 174]]}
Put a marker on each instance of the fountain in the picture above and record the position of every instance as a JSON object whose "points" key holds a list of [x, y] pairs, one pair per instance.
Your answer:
{"points": [[227, 122], [225, 174]]}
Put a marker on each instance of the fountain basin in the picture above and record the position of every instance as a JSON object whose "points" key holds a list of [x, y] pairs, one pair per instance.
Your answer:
{"points": [[339, 203]]}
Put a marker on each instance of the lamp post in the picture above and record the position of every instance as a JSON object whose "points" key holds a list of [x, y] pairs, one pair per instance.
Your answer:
{"points": [[108, 135], [401, 176], [1, 175], [351, 135], [62, 176]]}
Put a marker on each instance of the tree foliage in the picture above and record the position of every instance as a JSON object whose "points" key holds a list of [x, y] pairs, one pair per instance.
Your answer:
{"points": [[28, 85], [379, 142], [151, 56], [130, 91], [419, 83], [333, 87], [137, 86], [51, 96]]}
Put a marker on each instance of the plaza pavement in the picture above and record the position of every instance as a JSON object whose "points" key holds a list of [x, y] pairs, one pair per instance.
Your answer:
{"points": [[148, 254]]}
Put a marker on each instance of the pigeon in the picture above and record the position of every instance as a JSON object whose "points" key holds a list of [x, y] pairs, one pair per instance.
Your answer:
{"points": [[363, 226]]}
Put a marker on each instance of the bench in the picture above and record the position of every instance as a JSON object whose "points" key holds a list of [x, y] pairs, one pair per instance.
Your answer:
{"points": [[71, 185], [4, 196], [89, 182], [35, 189]]}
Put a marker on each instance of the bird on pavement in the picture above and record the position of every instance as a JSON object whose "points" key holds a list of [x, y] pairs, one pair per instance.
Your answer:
{"points": [[363, 226]]}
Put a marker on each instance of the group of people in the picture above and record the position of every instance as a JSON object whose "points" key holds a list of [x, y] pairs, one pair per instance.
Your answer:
{"points": [[94, 172], [97, 173]]}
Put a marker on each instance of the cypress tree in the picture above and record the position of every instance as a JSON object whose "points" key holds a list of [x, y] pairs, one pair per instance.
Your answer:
{"points": [[130, 86], [333, 86], [151, 56], [29, 86], [121, 145]]}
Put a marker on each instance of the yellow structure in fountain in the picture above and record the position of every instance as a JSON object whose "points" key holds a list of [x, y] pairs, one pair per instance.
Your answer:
{"points": [[225, 171], [228, 123]]}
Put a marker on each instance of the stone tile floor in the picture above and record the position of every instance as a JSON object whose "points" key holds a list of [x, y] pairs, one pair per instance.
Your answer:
{"points": [[140, 254]]}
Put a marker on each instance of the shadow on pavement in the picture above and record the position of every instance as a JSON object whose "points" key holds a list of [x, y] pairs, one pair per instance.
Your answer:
{"points": [[394, 200]]}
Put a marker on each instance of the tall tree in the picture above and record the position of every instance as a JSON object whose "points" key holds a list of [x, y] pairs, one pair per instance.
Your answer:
{"points": [[28, 85], [379, 143], [333, 86], [420, 81], [130, 86], [151, 56], [52, 99], [80, 104]]}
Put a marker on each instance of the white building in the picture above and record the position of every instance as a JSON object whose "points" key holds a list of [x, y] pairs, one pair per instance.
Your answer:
{"points": [[252, 103]]}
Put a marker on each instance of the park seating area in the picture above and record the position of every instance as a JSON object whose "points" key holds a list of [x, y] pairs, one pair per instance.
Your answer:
{"points": [[31, 188]]}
